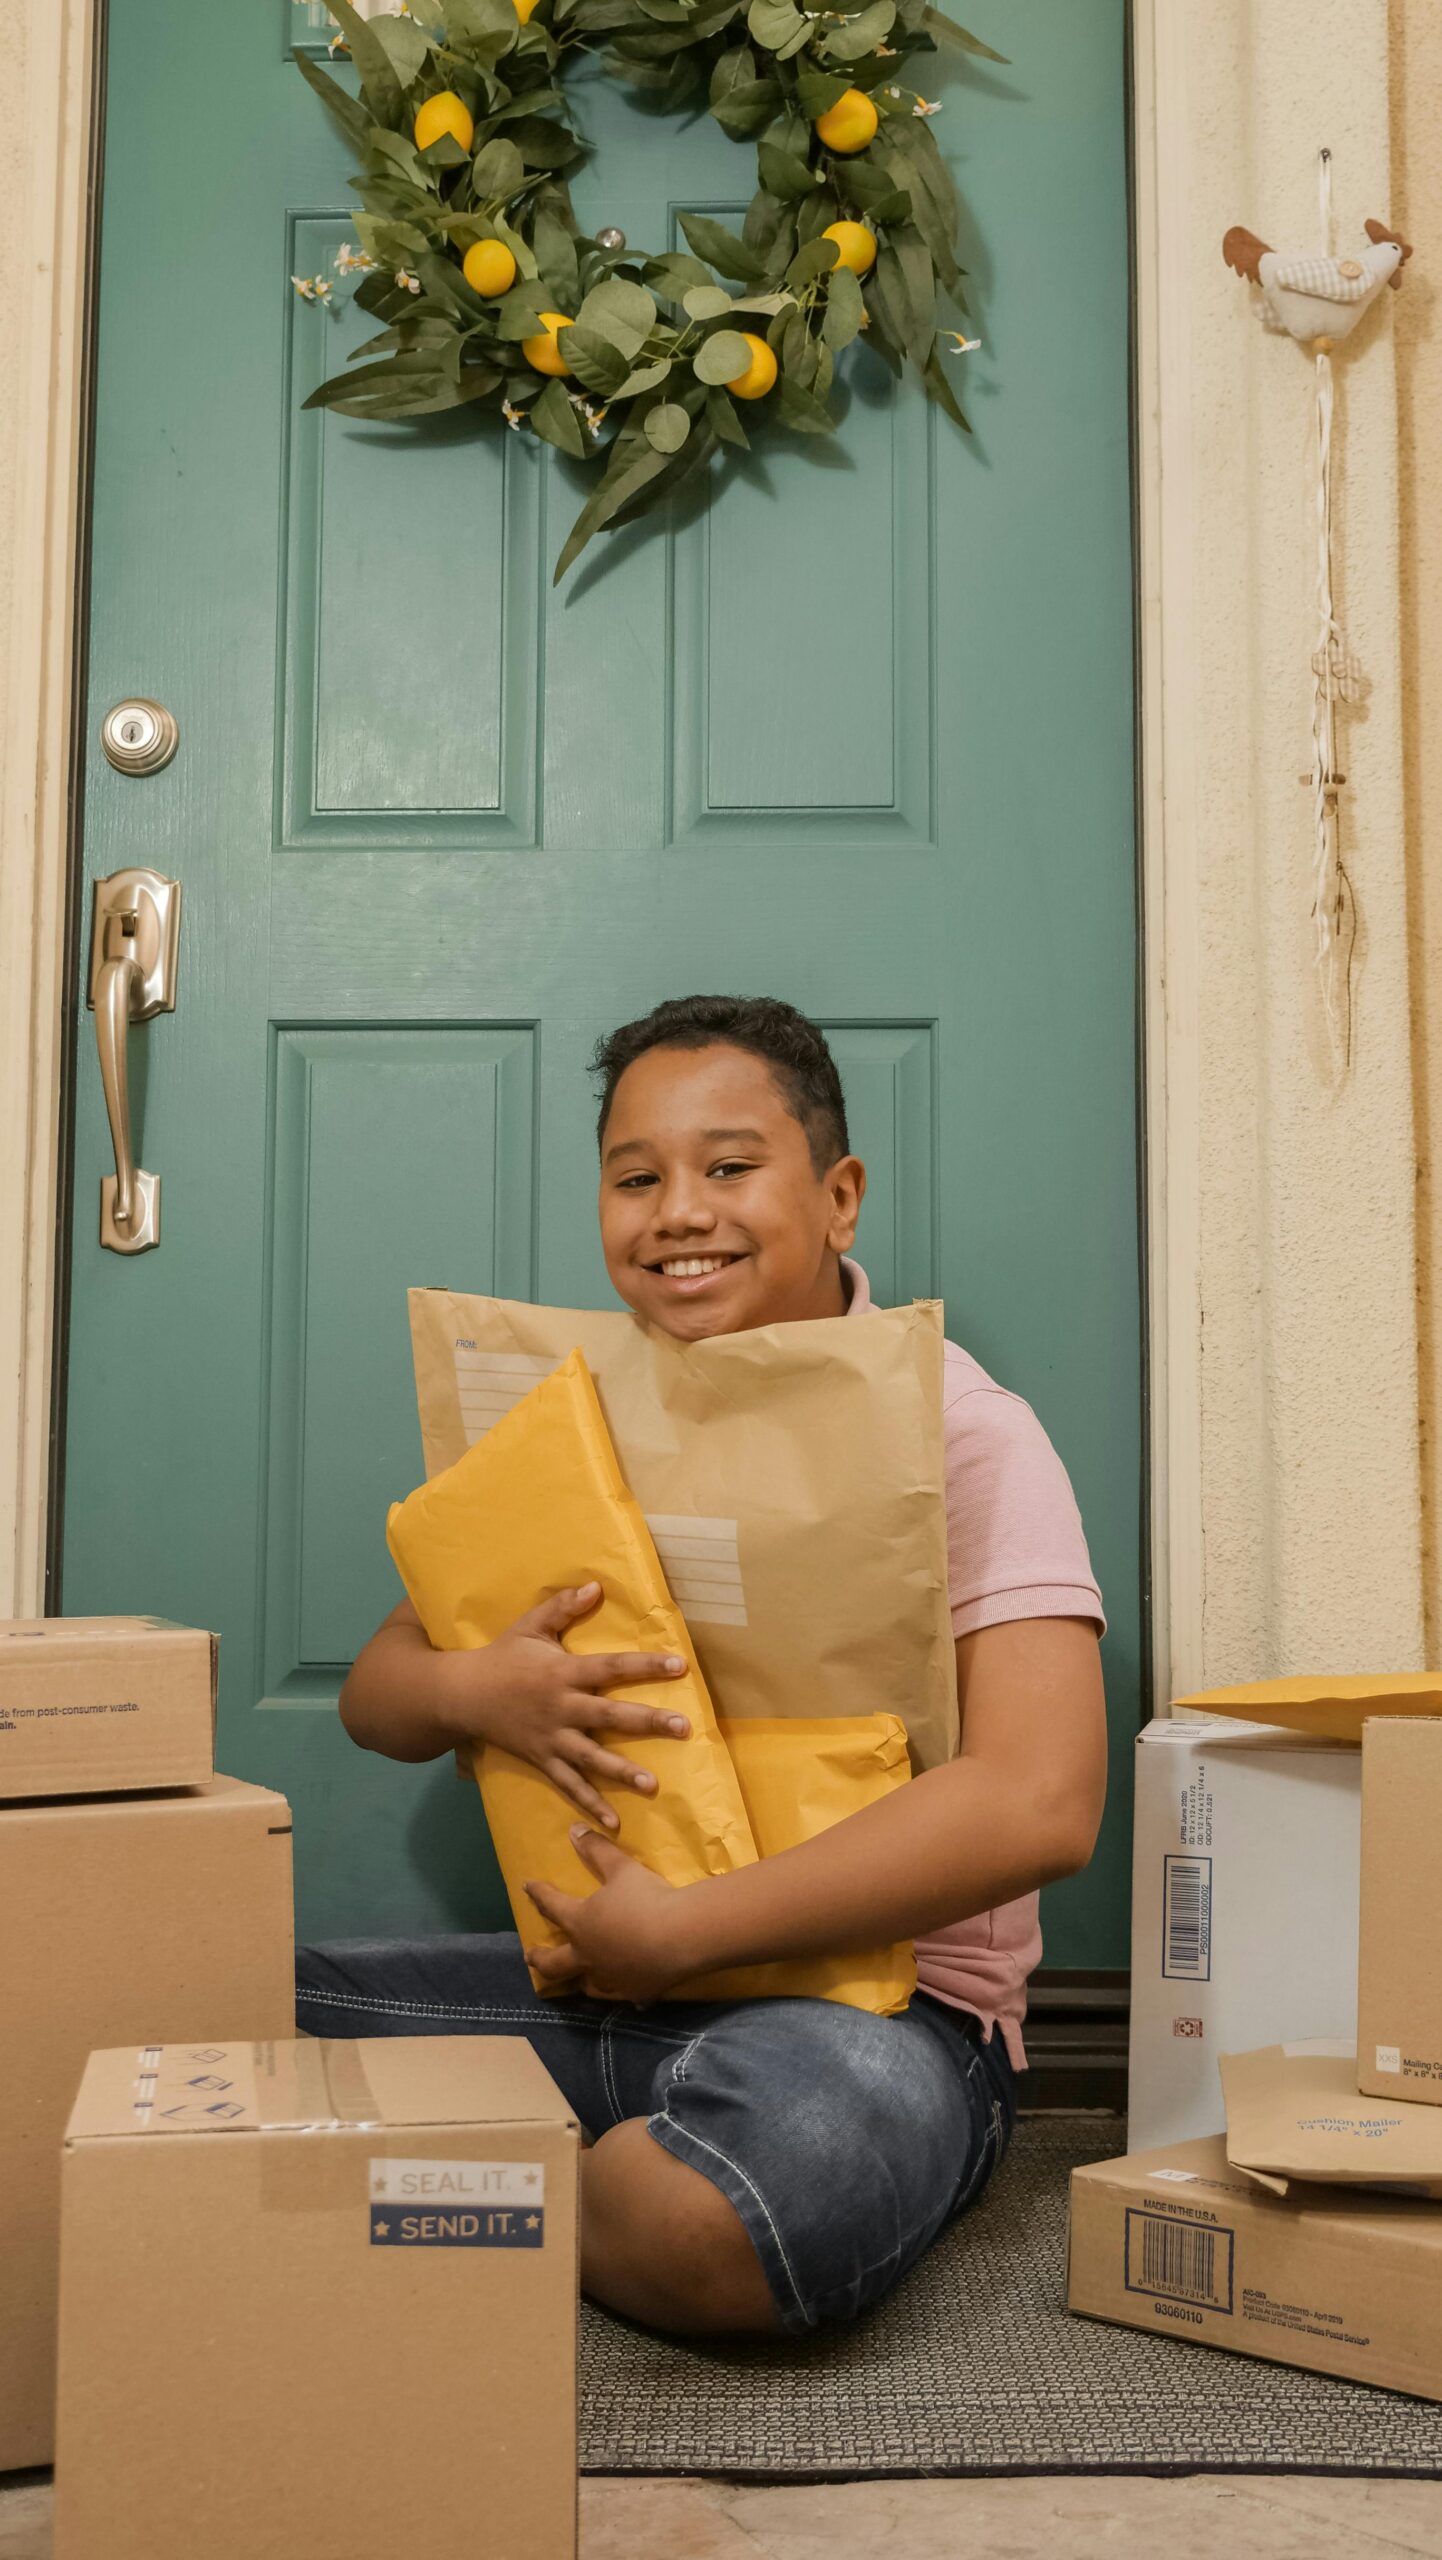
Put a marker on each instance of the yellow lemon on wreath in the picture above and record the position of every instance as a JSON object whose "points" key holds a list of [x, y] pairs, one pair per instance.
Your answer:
{"points": [[760, 373], [525, 10], [542, 353], [445, 113], [855, 246], [489, 268], [850, 124]]}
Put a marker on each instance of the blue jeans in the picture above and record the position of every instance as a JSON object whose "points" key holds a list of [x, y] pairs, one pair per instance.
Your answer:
{"points": [[845, 2142]]}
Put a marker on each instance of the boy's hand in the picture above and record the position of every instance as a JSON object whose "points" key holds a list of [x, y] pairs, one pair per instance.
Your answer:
{"points": [[623, 1942], [527, 1693]]}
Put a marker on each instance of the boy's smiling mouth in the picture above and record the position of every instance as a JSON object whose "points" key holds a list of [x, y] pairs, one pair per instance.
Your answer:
{"points": [[693, 1266]]}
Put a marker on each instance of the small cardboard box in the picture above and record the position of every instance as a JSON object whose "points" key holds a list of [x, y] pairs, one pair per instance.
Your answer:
{"points": [[1244, 1908], [1399, 1976], [127, 1917], [1294, 2118], [1177, 2241], [89, 1705], [319, 2298]]}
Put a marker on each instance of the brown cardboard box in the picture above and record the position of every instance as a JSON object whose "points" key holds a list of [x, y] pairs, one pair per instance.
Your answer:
{"points": [[319, 2299], [1399, 1979], [126, 1917], [1294, 2118], [88, 1705], [1178, 2242]]}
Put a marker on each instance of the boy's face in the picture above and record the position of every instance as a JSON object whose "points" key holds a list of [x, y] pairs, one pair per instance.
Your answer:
{"points": [[713, 1216]]}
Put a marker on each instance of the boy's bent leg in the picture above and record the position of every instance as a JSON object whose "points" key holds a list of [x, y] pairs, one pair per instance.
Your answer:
{"points": [[661, 2244], [840, 2143]]}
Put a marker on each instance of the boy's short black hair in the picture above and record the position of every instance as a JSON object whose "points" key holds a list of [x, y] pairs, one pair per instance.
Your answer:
{"points": [[793, 1048]]}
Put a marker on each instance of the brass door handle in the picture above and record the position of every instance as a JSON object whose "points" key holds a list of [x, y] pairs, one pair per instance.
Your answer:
{"points": [[134, 946]]}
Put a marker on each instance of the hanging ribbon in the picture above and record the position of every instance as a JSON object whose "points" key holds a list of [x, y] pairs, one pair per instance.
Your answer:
{"points": [[1333, 913]]}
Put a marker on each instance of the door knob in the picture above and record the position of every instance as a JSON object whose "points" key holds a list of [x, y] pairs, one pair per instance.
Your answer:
{"points": [[134, 947]]}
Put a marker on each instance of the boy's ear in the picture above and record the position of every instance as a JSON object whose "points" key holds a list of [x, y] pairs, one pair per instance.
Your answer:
{"points": [[846, 1183]]}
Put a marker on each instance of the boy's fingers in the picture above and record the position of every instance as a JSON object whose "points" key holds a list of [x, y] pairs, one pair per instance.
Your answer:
{"points": [[563, 1774], [602, 1670], [605, 1764], [622, 1715], [552, 1617]]}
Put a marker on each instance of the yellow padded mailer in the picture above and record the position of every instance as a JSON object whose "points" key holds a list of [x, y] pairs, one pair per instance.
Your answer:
{"points": [[539, 1505]]}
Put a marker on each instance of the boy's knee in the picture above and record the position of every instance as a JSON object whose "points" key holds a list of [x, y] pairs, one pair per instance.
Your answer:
{"points": [[661, 2244]]}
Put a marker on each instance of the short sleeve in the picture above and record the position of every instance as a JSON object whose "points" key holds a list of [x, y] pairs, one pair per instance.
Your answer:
{"points": [[1015, 1542]]}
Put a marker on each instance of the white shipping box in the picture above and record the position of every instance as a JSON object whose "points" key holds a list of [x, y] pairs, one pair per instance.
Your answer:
{"points": [[1245, 1863]]}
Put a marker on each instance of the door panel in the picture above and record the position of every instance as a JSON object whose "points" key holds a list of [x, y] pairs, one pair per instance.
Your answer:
{"points": [[859, 735]]}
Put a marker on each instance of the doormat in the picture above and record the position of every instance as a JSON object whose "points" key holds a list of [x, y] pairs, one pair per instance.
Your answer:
{"points": [[974, 2366]]}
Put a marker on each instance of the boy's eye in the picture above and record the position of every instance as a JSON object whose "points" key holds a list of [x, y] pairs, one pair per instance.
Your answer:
{"points": [[733, 1164], [635, 1181]]}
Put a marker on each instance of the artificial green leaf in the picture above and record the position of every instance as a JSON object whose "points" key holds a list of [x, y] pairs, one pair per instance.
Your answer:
{"points": [[801, 410], [770, 230], [379, 85], [732, 70], [518, 313], [946, 31], [543, 143], [553, 417], [624, 312], [814, 260], [845, 309], [476, 25], [774, 22], [556, 257], [706, 301], [732, 257], [770, 303], [401, 152], [667, 426], [350, 115], [857, 37], [783, 174], [914, 260], [870, 187], [444, 153], [885, 297], [744, 110], [722, 357], [817, 91], [620, 485], [497, 171], [675, 273], [405, 46], [593, 360], [648, 377], [723, 420], [939, 388]]}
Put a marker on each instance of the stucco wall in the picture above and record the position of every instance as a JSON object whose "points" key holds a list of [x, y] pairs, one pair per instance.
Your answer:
{"points": [[1416, 124], [1309, 1462]]}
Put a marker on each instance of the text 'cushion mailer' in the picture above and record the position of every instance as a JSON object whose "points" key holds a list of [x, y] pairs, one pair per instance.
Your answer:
{"points": [[540, 1505], [792, 1477]]}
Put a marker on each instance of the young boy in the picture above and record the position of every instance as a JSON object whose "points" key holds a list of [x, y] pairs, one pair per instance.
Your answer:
{"points": [[764, 2165]]}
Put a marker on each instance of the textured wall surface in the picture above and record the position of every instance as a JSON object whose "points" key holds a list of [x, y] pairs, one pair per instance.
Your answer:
{"points": [[1416, 90], [1310, 1462]]}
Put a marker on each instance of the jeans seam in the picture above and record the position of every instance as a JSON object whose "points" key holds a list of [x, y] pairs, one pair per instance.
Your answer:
{"points": [[494, 2009], [686, 2135]]}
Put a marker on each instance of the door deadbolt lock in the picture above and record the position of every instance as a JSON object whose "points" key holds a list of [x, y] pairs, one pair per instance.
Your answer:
{"points": [[134, 945], [139, 736]]}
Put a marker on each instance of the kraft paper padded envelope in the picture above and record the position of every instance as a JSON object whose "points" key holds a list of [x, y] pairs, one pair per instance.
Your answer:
{"points": [[540, 1505], [1334, 1709], [792, 1478]]}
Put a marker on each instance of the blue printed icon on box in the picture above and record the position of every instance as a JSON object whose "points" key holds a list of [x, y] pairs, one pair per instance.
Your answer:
{"points": [[463, 2227]]}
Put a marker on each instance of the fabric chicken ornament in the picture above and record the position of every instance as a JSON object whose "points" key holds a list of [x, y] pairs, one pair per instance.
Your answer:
{"points": [[1318, 298], [1312, 296]]}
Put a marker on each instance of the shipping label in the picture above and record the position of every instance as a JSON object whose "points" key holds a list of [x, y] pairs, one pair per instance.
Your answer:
{"points": [[1186, 1918]]}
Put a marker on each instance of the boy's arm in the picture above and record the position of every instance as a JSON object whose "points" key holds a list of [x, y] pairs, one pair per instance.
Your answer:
{"points": [[1018, 1808]]}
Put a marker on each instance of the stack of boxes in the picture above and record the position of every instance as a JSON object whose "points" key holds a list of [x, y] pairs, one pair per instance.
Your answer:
{"points": [[312, 2296], [141, 1896], [1284, 2198]]}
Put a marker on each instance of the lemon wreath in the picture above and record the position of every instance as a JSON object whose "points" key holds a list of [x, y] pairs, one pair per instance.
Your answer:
{"points": [[471, 258]]}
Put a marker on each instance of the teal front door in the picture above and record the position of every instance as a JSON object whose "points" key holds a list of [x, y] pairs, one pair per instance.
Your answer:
{"points": [[860, 736]]}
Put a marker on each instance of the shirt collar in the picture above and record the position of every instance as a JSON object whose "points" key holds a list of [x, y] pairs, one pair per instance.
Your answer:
{"points": [[858, 1287]]}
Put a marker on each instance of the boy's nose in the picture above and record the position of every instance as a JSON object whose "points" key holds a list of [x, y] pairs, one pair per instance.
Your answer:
{"points": [[681, 1211]]}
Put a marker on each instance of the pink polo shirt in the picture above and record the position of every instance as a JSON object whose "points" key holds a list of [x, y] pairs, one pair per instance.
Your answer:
{"points": [[1016, 1550]]}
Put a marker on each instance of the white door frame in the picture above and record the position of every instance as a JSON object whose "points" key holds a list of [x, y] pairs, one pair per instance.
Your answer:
{"points": [[1223, 1482]]}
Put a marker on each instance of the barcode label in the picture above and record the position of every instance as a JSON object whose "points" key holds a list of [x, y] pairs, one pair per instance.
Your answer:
{"points": [[1180, 2261], [1187, 1919]]}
